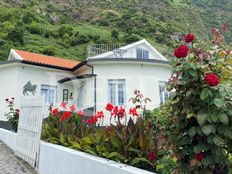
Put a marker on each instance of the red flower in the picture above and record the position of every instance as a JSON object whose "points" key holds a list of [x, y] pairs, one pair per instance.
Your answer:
{"points": [[72, 108], [63, 105], [200, 156], [212, 79], [189, 38], [152, 156], [100, 114], [115, 110], [81, 113], [181, 51], [92, 120], [66, 115], [109, 107], [55, 112], [133, 111], [121, 112]]}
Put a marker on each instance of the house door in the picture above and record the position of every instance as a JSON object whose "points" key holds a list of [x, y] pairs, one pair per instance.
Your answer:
{"points": [[80, 97]]}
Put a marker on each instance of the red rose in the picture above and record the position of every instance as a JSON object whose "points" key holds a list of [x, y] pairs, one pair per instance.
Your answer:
{"points": [[109, 107], [181, 51], [200, 156], [55, 112], [212, 79], [189, 38], [152, 156]]}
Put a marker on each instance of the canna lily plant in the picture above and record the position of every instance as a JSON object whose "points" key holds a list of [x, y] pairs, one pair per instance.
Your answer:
{"points": [[132, 143]]}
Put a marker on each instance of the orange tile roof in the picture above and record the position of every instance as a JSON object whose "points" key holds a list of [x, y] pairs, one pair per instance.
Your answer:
{"points": [[47, 60]]}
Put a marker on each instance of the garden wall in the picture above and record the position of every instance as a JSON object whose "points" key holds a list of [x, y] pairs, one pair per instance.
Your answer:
{"points": [[61, 160], [8, 137]]}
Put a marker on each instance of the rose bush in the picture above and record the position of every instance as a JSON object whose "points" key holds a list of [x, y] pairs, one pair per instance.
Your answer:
{"points": [[200, 106]]}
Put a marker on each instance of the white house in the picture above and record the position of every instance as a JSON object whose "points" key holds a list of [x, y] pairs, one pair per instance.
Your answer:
{"points": [[107, 77]]}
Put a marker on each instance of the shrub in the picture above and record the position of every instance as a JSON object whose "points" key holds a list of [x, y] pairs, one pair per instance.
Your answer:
{"points": [[49, 50], [13, 114], [35, 28], [201, 106]]}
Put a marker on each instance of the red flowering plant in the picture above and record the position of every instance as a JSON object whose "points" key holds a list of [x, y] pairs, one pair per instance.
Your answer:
{"points": [[130, 142], [201, 105], [13, 114]]}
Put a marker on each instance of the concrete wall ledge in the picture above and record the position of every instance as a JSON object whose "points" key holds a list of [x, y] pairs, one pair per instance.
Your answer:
{"points": [[55, 159]]}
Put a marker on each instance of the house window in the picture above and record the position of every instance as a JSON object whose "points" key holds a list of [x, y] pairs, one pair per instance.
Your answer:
{"points": [[163, 92], [117, 92], [65, 95], [142, 54], [49, 94]]}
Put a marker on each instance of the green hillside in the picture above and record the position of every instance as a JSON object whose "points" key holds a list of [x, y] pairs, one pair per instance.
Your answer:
{"points": [[66, 28]]}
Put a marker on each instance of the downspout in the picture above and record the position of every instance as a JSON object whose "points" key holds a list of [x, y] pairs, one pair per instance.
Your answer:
{"points": [[95, 88]]}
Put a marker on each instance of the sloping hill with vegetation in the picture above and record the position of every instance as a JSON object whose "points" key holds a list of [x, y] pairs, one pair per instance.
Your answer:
{"points": [[66, 28]]}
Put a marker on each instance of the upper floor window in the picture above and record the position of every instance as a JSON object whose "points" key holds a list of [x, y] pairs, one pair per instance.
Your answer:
{"points": [[163, 92], [117, 92], [142, 54], [49, 94]]}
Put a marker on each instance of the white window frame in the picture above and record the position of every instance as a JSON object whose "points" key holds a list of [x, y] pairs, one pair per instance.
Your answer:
{"points": [[49, 87], [162, 94], [117, 82], [142, 53]]}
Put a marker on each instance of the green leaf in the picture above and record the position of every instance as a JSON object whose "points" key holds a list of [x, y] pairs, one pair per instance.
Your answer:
{"points": [[207, 129], [139, 160], [192, 132], [201, 119], [217, 140], [219, 102], [204, 94], [214, 117], [224, 118]]}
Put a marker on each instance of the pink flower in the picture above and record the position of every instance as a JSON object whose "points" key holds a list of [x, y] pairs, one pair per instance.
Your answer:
{"points": [[100, 114], [72, 108], [81, 113], [63, 105]]}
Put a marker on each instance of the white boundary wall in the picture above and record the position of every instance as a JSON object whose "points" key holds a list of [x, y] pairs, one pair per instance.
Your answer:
{"points": [[54, 159], [8, 137]]}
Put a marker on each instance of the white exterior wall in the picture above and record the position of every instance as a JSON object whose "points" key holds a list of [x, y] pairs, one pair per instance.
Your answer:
{"points": [[8, 87], [144, 77], [15, 77]]}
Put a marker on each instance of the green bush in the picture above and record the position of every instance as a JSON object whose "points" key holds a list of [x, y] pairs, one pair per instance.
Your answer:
{"points": [[35, 28]]}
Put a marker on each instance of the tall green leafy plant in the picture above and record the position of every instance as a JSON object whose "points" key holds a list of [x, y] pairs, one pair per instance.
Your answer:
{"points": [[13, 114], [201, 106]]}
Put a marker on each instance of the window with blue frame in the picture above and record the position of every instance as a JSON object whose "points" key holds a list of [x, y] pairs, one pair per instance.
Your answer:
{"points": [[49, 94], [117, 92], [142, 54], [163, 92]]}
